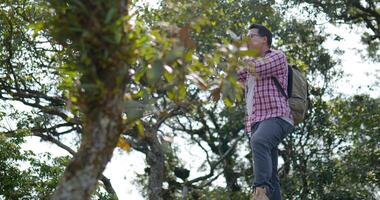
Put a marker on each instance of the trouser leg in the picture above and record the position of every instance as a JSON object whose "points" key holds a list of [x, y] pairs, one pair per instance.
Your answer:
{"points": [[265, 138]]}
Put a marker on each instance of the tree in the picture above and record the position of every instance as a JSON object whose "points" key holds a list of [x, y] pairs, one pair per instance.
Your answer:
{"points": [[112, 77], [29, 74], [356, 122], [301, 42], [94, 87], [94, 36], [355, 13]]}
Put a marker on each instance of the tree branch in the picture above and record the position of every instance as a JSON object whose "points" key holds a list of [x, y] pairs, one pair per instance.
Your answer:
{"points": [[38, 133], [213, 167], [106, 181]]}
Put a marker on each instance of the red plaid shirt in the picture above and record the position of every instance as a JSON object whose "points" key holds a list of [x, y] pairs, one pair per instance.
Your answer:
{"points": [[267, 100]]}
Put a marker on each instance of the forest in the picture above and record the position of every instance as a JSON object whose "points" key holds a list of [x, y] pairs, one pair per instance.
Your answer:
{"points": [[98, 78]]}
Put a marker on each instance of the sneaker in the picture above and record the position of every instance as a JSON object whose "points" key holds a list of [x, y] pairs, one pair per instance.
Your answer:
{"points": [[259, 197]]}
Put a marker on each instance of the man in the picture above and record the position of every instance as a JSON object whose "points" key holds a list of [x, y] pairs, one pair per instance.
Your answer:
{"points": [[268, 117]]}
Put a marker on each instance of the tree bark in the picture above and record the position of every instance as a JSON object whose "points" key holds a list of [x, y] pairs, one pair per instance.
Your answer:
{"points": [[101, 133], [230, 175], [155, 159]]}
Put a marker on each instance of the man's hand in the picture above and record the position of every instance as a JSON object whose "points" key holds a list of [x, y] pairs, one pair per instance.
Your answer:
{"points": [[247, 64]]}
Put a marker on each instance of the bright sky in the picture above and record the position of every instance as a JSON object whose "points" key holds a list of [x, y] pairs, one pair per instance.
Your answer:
{"points": [[359, 72], [124, 166]]}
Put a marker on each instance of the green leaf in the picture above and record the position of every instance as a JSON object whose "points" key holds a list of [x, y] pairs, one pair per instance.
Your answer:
{"points": [[117, 36], [227, 102], [155, 72], [110, 14], [174, 55], [139, 94], [251, 53], [182, 91], [171, 95], [232, 34], [134, 110], [168, 76], [36, 27], [189, 56], [140, 128], [139, 75]]}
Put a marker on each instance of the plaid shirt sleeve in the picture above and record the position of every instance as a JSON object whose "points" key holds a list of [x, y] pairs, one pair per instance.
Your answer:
{"points": [[269, 65], [242, 75]]}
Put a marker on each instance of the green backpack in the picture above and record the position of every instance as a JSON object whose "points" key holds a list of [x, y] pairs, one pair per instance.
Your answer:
{"points": [[299, 95]]}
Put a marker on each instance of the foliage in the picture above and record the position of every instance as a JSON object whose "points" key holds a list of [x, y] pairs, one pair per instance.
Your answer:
{"points": [[26, 175], [175, 68], [355, 13]]}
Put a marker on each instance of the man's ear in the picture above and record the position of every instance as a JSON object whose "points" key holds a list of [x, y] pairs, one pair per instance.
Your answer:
{"points": [[265, 40]]}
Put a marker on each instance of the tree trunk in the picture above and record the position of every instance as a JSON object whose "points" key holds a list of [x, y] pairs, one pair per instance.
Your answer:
{"points": [[103, 68], [155, 159], [230, 175], [101, 133]]}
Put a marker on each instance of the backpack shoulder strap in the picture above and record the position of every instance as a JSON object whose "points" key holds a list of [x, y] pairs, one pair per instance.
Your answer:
{"points": [[290, 83], [290, 79], [278, 86]]}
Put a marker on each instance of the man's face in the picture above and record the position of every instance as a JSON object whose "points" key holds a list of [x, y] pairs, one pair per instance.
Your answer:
{"points": [[255, 41]]}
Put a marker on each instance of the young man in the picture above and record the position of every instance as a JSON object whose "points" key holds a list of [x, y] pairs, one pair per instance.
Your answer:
{"points": [[268, 117]]}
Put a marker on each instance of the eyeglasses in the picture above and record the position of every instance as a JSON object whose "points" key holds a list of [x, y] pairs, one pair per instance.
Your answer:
{"points": [[252, 35]]}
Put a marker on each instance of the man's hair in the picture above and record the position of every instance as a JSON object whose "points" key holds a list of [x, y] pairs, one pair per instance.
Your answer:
{"points": [[263, 32]]}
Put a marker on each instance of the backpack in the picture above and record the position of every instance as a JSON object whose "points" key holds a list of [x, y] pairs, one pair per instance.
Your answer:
{"points": [[298, 90]]}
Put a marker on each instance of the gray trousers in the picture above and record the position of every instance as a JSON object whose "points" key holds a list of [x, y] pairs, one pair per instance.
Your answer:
{"points": [[265, 138]]}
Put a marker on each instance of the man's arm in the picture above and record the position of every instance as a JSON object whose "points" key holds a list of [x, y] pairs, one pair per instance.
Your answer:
{"points": [[242, 75], [272, 64], [244, 69]]}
